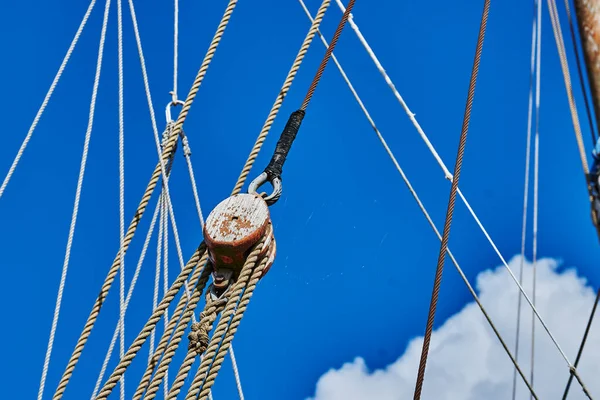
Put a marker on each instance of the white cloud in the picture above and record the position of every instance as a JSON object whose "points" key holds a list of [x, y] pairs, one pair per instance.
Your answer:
{"points": [[466, 360]]}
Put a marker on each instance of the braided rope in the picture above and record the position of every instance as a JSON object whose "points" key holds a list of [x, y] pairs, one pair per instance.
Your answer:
{"points": [[151, 323], [232, 301], [237, 318], [169, 149], [279, 100]]}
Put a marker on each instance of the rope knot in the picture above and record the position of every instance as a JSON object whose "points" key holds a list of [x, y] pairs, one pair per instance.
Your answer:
{"points": [[198, 337]]}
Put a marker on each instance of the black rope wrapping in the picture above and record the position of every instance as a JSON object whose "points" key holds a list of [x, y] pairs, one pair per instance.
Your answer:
{"points": [[275, 167]]}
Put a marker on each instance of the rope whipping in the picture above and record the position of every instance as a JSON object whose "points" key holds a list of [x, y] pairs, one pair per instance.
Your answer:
{"points": [[225, 331], [451, 202], [169, 148], [273, 171]]}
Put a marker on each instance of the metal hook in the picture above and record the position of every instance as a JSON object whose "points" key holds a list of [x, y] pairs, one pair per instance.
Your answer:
{"points": [[261, 180], [168, 109]]}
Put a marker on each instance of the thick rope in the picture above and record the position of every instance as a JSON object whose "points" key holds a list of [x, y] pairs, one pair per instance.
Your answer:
{"points": [[569, 88], [214, 368], [137, 344], [221, 329], [451, 202], [169, 148], [42, 108], [175, 339], [168, 332], [525, 196], [325, 60], [279, 100], [121, 196], [75, 211], [155, 216]]}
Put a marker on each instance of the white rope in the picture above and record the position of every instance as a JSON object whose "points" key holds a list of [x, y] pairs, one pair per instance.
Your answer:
{"points": [[86, 145], [535, 175], [156, 275], [175, 50], [400, 170], [165, 222], [236, 373], [138, 41], [188, 159], [525, 198], [129, 294], [47, 98], [121, 197], [449, 176]]}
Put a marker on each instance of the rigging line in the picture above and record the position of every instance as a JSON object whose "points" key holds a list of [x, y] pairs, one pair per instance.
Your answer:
{"points": [[166, 275], [236, 373], [325, 60], [186, 366], [82, 168], [583, 340], [129, 294], [175, 51], [567, 79], [188, 158], [536, 176], [169, 148], [279, 99], [580, 73], [579, 137], [525, 190], [419, 202], [157, 272], [121, 196], [42, 108], [217, 338], [451, 202], [448, 175]]}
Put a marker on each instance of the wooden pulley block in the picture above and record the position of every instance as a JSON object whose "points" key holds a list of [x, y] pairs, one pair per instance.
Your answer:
{"points": [[234, 226]]}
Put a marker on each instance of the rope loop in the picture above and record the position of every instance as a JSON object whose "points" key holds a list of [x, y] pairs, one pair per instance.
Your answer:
{"points": [[199, 335]]}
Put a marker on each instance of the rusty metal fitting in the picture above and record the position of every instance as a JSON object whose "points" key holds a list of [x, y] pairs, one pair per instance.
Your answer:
{"points": [[231, 231]]}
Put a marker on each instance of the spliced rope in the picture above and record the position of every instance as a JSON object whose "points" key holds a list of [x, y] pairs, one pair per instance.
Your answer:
{"points": [[279, 100], [42, 108], [222, 327], [169, 148], [525, 192], [82, 167]]}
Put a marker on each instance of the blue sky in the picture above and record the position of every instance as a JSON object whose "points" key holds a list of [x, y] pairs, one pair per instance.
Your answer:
{"points": [[355, 257]]}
